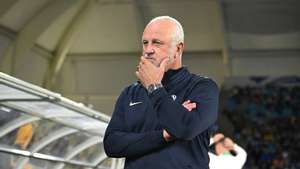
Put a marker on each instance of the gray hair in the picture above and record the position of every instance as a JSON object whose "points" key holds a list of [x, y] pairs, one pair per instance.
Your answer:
{"points": [[178, 32]]}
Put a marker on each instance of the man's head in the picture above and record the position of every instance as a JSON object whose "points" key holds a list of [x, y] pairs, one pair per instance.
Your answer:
{"points": [[163, 38]]}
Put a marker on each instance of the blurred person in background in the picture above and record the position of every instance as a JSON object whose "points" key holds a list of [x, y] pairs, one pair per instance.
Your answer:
{"points": [[225, 154]]}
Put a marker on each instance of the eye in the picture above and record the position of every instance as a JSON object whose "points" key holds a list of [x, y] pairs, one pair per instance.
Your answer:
{"points": [[157, 42], [145, 42]]}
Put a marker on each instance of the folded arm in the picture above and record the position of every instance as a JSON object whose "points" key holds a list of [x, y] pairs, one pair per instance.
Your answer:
{"points": [[119, 142], [178, 120]]}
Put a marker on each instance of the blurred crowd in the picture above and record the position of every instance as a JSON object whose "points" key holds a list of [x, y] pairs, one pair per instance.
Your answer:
{"points": [[266, 120]]}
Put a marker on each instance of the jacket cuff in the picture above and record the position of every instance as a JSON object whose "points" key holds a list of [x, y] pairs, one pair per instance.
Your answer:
{"points": [[158, 137], [157, 95]]}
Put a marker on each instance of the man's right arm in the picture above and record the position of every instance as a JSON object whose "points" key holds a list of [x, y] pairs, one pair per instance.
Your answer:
{"points": [[119, 141]]}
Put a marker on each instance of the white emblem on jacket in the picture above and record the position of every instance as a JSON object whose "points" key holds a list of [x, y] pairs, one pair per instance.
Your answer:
{"points": [[134, 103], [174, 97]]}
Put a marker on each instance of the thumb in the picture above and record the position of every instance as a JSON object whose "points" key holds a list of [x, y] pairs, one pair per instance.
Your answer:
{"points": [[164, 63]]}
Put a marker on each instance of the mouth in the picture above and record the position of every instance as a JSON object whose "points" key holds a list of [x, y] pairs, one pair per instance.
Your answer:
{"points": [[151, 59]]}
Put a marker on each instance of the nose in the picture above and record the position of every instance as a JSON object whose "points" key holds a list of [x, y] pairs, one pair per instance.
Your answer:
{"points": [[148, 51]]}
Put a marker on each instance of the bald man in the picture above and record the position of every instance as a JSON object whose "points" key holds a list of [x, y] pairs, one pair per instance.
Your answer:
{"points": [[164, 120]]}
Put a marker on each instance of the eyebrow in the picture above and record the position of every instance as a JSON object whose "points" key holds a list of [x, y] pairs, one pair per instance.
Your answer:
{"points": [[153, 40]]}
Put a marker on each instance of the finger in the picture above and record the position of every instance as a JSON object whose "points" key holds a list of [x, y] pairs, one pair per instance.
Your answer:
{"points": [[189, 107], [137, 73], [192, 104], [185, 106], [192, 107], [141, 63], [141, 58], [164, 63], [185, 103], [141, 66], [144, 60], [144, 66], [188, 101], [140, 74]]}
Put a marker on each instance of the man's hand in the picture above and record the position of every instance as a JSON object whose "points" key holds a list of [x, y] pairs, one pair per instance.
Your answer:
{"points": [[189, 105], [217, 137], [166, 135], [148, 73], [228, 143]]}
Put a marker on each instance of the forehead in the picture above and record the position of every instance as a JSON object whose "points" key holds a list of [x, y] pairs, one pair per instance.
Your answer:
{"points": [[159, 29]]}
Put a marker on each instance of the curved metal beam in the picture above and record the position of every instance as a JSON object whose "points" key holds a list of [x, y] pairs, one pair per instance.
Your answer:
{"points": [[78, 149], [120, 164], [89, 129], [226, 58], [44, 142], [99, 159], [16, 123], [81, 147], [113, 163], [65, 44], [52, 137]]}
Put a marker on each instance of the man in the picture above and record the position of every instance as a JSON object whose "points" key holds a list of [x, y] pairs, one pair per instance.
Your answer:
{"points": [[164, 120], [226, 154]]}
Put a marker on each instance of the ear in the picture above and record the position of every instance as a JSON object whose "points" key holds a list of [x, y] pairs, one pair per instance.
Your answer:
{"points": [[179, 49], [180, 46]]}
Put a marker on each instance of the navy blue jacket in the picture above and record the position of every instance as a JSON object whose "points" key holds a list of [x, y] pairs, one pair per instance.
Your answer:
{"points": [[136, 127]]}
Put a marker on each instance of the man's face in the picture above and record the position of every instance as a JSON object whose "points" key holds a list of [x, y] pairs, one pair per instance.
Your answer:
{"points": [[158, 43]]}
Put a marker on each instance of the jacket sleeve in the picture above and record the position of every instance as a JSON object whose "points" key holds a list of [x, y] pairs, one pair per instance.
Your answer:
{"points": [[121, 142], [177, 120]]}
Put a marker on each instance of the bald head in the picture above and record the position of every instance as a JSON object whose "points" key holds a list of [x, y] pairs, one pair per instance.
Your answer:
{"points": [[174, 26]]}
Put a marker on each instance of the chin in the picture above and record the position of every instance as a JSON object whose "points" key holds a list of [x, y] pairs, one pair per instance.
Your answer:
{"points": [[154, 63]]}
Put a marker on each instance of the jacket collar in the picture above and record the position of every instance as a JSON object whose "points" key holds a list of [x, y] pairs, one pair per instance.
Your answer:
{"points": [[175, 78]]}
